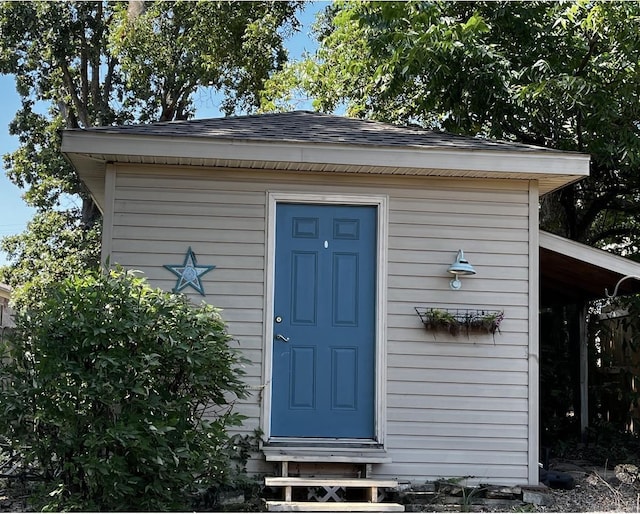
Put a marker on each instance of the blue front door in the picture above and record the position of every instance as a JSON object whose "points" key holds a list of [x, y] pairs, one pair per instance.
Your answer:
{"points": [[323, 382]]}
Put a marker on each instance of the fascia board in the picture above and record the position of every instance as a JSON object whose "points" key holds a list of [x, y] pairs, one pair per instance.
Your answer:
{"points": [[588, 254], [463, 159]]}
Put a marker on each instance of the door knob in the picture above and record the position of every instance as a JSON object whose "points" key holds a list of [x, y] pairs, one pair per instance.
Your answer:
{"points": [[282, 338]]}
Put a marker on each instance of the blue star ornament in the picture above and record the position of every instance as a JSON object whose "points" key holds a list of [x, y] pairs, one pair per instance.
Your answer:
{"points": [[189, 273]]}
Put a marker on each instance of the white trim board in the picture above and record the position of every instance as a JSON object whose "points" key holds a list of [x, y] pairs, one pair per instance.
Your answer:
{"points": [[89, 151], [533, 385], [588, 254], [540, 162], [381, 202], [108, 213]]}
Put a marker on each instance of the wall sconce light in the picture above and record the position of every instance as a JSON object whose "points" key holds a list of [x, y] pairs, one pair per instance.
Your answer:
{"points": [[459, 268]]}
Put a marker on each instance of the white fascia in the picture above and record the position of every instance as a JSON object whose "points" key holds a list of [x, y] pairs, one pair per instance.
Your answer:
{"points": [[496, 161]]}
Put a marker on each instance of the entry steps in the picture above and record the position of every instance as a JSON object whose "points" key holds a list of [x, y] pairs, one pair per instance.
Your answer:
{"points": [[330, 501], [326, 493]]}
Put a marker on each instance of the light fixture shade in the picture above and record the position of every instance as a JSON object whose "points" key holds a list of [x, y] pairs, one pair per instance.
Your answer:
{"points": [[460, 267]]}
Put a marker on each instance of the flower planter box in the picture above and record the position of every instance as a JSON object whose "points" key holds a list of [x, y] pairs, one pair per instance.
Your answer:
{"points": [[456, 321]]}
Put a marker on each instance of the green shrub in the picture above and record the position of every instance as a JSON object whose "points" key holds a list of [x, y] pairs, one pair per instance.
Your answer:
{"points": [[119, 394]]}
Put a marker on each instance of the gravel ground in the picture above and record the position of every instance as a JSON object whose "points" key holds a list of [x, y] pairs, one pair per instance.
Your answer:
{"points": [[596, 489]]}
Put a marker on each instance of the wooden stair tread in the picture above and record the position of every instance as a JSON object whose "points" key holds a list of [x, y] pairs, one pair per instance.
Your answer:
{"points": [[331, 482], [282, 506], [318, 454]]}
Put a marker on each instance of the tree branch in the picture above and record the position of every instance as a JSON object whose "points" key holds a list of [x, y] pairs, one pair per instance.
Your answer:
{"points": [[587, 57], [84, 73], [95, 64], [108, 83], [80, 109], [615, 232]]}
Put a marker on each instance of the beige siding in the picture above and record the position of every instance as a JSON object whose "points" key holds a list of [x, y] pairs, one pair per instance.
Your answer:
{"points": [[456, 406], [461, 402]]}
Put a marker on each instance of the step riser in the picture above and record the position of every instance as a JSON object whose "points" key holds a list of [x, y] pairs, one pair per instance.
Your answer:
{"points": [[330, 485]]}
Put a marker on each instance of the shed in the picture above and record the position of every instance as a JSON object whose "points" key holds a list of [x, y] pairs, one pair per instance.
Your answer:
{"points": [[326, 240]]}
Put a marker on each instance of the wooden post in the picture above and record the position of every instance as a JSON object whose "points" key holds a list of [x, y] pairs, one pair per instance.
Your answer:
{"points": [[584, 371]]}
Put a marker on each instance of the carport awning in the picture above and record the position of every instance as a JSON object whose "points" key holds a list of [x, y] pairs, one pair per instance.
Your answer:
{"points": [[572, 272]]}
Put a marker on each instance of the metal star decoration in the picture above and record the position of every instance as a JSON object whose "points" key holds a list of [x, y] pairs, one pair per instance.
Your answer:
{"points": [[189, 273]]}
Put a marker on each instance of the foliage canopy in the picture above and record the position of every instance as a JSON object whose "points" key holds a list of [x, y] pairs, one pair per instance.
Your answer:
{"points": [[564, 75], [81, 64], [119, 394]]}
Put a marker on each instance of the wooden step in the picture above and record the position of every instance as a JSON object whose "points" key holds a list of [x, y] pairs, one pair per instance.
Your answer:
{"points": [[328, 454], [330, 485], [331, 482], [280, 506]]}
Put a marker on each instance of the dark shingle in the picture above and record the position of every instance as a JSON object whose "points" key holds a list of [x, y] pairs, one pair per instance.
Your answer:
{"points": [[312, 127]]}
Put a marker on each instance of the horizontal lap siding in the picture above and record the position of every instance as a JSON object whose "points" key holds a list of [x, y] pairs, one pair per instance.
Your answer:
{"points": [[157, 219], [456, 406]]}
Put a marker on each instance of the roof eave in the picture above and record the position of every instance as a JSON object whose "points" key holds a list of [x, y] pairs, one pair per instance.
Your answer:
{"points": [[577, 272], [553, 170]]}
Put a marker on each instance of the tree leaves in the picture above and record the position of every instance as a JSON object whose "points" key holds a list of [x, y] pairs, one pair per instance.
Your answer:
{"points": [[53, 247], [564, 75], [172, 48], [94, 63]]}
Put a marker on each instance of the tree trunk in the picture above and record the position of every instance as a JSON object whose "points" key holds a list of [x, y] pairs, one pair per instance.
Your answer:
{"points": [[90, 212]]}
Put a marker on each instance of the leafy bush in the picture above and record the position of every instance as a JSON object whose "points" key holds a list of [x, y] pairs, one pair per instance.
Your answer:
{"points": [[120, 394]]}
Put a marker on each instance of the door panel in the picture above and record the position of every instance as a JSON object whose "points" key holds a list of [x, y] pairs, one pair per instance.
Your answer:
{"points": [[304, 288], [303, 378], [324, 334]]}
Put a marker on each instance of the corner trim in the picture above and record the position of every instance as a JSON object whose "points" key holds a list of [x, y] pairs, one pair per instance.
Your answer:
{"points": [[108, 213], [534, 354]]}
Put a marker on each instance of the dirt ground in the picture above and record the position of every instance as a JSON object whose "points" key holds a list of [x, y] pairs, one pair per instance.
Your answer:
{"points": [[13, 496], [596, 489]]}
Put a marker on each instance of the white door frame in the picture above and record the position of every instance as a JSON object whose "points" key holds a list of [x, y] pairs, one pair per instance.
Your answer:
{"points": [[380, 371]]}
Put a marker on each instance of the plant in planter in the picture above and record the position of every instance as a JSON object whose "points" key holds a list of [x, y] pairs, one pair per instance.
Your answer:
{"points": [[437, 319], [489, 321], [453, 321]]}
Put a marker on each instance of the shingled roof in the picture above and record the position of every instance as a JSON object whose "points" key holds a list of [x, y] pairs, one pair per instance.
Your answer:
{"points": [[314, 127], [303, 141]]}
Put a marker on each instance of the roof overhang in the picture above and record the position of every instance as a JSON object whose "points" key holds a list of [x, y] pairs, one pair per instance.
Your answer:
{"points": [[90, 151], [572, 272], [5, 291]]}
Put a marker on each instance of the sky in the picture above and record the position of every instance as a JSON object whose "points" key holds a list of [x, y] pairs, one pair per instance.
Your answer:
{"points": [[15, 214]]}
